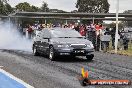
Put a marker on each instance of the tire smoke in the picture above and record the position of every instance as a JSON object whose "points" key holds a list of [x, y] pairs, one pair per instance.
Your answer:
{"points": [[11, 38]]}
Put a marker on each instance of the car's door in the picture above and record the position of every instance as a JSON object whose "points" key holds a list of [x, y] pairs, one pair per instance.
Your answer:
{"points": [[37, 42], [45, 40], [45, 44]]}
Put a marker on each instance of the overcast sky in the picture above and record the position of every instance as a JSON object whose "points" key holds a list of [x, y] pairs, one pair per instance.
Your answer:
{"points": [[69, 5]]}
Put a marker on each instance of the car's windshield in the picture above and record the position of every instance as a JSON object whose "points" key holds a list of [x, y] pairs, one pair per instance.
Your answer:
{"points": [[65, 33]]}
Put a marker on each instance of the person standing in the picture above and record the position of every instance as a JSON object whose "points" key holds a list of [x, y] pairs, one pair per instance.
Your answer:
{"points": [[125, 41], [113, 36], [82, 30], [105, 39], [91, 34], [113, 32], [76, 27], [98, 34], [30, 31]]}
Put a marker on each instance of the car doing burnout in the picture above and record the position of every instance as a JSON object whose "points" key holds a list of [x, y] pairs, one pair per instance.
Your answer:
{"points": [[62, 42]]}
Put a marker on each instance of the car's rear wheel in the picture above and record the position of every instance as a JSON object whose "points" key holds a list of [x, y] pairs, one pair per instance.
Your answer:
{"points": [[90, 57], [51, 53], [35, 51]]}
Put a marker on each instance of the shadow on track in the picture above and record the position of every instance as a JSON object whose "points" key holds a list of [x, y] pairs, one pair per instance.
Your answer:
{"points": [[72, 59], [65, 59]]}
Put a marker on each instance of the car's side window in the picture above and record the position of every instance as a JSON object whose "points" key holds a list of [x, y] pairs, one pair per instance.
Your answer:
{"points": [[38, 37], [46, 34]]}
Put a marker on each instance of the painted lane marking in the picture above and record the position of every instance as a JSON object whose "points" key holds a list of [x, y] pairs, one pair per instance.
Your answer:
{"points": [[12, 79]]}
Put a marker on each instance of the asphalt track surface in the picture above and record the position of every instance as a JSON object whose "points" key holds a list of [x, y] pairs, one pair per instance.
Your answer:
{"points": [[40, 72]]}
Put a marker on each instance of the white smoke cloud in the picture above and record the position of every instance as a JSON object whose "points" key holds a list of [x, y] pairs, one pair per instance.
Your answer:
{"points": [[10, 38]]}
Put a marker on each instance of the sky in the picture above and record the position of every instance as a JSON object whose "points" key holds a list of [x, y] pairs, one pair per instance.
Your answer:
{"points": [[69, 5]]}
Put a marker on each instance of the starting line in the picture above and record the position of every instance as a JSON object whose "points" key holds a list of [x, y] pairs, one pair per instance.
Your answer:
{"points": [[7, 80]]}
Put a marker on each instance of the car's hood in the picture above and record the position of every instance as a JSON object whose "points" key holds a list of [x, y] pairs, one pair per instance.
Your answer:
{"points": [[70, 41]]}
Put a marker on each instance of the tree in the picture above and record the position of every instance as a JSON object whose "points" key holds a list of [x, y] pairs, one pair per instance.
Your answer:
{"points": [[93, 6], [34, 9], [8, 8], [4, 1], [1, 7], [27, 7], [44, 7], [5, 8], [23, 6]]}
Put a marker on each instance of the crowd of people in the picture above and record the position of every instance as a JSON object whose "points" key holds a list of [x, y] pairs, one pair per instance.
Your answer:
{"points": [[82, 29], [93, 32]]}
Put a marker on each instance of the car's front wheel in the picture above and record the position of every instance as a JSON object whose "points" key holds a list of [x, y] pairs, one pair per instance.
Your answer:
{"points": [[90, 57], [35, 51], [51, 53]]}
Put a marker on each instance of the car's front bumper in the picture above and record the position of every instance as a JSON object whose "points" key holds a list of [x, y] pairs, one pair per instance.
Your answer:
{"points": [[75, 52]]}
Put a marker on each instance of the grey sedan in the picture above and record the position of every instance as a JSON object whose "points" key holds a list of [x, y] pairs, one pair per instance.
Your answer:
{"points": [[62, 42]]}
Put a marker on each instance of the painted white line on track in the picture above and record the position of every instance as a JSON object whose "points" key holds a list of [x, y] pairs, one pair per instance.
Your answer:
{"points": [[16, 79]]}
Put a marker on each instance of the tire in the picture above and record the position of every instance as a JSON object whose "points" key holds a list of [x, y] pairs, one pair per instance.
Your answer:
{"points": [[51, 53], [35, 51], [90, 57]]}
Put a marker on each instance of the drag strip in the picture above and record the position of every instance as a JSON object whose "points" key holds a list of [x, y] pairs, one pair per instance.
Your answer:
{"points": [[40, 72]]}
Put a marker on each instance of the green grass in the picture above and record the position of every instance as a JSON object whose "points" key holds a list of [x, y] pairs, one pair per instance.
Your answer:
{"points": [[122, 52], [125, 52]]}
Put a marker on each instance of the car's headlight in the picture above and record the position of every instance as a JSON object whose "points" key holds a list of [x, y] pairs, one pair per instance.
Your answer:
{"points": [[90, 45], [61, 45]]}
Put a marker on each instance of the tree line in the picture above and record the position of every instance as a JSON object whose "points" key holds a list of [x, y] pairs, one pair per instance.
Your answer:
{"points": [[5, 7], [91, 6], [87, 6]]}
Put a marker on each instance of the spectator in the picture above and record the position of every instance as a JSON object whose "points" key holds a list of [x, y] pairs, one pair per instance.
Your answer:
{"points": [[113, 32], [125, 41], [30, 31], [76, 27], [82, 30], [105, 39], [91, 34]]}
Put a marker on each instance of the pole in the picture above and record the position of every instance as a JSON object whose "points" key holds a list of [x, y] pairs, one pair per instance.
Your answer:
{"points": [[45, 22], [116, 34], [9, 22], [130, 40], [93, 20], [66, 22]]}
